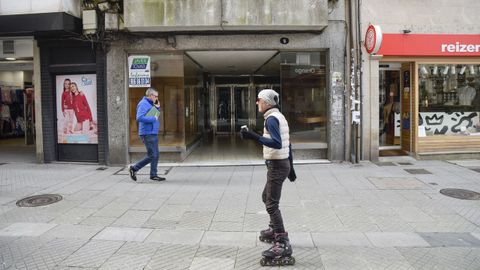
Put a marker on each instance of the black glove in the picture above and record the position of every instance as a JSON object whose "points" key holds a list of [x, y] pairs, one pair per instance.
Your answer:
{"points": [[249, 135]]}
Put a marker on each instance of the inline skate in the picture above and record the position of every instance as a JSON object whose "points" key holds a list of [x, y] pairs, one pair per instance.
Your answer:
{"points": [[267, 235], [280, 253]]}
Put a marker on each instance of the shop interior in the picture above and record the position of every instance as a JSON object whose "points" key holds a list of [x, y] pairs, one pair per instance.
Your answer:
{"points": [[206, 96], [389, 109], [17, 127]]}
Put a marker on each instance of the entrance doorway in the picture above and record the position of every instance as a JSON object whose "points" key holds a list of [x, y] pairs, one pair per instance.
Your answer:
{"points": [[389, 109], [232, 108]]}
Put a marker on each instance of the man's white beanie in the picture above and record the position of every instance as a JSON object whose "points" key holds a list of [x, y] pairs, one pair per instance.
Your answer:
{"points": [[269, 96]]}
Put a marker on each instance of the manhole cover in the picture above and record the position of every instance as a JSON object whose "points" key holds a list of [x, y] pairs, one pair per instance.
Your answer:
{"points": [[39, 200], [417, 171], [462, 194]]}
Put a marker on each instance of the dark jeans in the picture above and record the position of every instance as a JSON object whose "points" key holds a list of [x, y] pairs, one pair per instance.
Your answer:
{"points": [[151, 143], [277, 172]]}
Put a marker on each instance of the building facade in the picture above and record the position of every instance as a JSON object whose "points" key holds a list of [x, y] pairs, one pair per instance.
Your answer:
{"points": [[209, 59], [424, 77]]}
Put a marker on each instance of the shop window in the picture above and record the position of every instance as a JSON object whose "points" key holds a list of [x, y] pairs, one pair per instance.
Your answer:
{"points": [[167, 77], [303, 95], [449, 100]]}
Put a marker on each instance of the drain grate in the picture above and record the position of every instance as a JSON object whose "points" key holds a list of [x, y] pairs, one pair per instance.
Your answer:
{"points": [[404, 163], [417, 171], [39, 200], [383, 164], [462, 194], [101, 168], [476, 170]]}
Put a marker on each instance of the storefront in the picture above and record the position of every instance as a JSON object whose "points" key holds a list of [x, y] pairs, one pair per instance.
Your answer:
{"points": [[202, 99], [434, 104]]}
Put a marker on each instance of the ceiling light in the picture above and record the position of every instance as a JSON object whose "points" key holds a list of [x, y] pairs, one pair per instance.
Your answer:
{"points": [[472, 69], [462, 70], [424, 70], [435, 70], [10, 58], [445, 71], [453, 70]]}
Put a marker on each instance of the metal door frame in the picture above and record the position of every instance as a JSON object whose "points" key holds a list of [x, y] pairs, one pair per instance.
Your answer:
{"points": [[232, 106]]}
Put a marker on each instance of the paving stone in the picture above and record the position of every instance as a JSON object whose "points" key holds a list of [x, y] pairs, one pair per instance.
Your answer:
{"points": [[249, 258], [396, 239], [361, 258], [442, 258], [195, 220], [400, 183], [229, 238], [133, 218], [450, 239], [340, 239], [19, 248], [172, 257], [74, 231], [138, 248], [26, 229], [93, 254], [74, 216], [50, 255], [160, 224], [200, 263], [98, 221], [186, 237], [122, 262], [123, 234], [217, 252], [225, 226]]}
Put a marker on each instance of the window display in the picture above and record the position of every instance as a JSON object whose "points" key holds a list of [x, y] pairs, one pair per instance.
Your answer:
{"points": [[449, 99]]}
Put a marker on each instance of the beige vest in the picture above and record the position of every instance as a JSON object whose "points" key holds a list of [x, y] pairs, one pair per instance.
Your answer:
{"points": [[271, 153]]}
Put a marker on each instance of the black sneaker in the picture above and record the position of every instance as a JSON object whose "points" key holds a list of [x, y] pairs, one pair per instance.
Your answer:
{"points": [[133, 173], [157, 178]]}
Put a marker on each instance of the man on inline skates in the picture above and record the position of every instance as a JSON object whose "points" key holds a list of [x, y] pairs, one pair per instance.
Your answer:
{"points": [[277, 154]]}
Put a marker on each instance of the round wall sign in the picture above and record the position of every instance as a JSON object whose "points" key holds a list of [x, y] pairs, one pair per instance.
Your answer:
{"points": [[373, 39]]}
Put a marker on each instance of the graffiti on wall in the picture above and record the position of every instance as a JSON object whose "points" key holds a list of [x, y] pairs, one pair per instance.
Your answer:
{"points": [[442, 123]]}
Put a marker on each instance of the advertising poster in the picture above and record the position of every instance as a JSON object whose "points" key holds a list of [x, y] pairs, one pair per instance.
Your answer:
{"points": [[77, 109], [139, 71]]}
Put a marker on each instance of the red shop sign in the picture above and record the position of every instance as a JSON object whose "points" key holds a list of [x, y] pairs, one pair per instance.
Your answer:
{"points": [[428, 45]]}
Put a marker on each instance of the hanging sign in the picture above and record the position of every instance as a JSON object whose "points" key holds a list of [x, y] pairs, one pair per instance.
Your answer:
{"points": [[373, 39], [139, 71]]}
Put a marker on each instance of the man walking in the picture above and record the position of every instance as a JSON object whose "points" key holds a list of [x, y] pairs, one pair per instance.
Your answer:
{"points": [[148, 110], [277, 154]]}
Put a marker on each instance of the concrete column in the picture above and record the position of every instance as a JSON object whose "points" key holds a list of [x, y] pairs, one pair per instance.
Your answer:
{"points": [[38, 104], [370, 114]]}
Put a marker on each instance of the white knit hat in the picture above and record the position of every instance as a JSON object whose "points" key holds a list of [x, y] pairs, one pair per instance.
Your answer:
{"points": [[270, 96]]}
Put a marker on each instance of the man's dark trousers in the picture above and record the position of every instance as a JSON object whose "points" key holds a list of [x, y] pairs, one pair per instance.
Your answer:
{"points": [[277, 172], [151, 143]]}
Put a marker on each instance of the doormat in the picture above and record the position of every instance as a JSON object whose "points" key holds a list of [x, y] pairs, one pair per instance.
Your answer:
{"points": [[392, 152]]}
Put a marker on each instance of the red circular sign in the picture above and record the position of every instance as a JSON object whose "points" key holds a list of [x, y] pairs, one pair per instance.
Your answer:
{"points": [[373, 39]]}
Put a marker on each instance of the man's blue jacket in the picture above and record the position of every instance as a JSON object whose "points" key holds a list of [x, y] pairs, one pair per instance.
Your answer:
{"points": [[147, 125]]}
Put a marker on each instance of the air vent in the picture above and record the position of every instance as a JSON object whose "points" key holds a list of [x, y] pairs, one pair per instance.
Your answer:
{"points": [[8, 47]]}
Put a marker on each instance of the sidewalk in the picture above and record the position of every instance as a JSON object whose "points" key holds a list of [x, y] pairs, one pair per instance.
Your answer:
{"points": [[339, 216]]}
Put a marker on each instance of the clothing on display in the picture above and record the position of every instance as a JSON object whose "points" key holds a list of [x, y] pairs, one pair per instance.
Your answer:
{"points": [[466, 95], [12, 122]]}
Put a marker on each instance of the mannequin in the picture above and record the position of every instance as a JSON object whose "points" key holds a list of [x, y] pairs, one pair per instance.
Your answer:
{"points": [[466, 95]]}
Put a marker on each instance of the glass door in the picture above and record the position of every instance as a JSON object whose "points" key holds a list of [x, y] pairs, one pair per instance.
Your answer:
{"points": [[242, 104], [224, 112]]}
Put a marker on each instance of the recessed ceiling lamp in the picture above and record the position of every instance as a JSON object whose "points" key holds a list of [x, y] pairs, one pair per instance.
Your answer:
{"points": [[472, 69], [445, 71], [424, 70]]}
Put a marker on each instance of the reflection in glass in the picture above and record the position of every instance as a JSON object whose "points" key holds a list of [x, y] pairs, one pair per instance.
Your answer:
{"points": [[303, 97]]}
